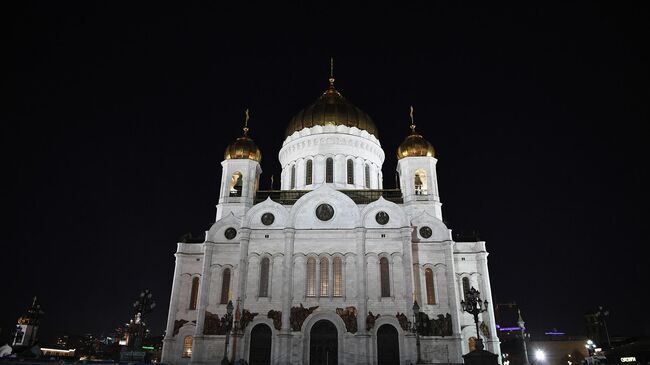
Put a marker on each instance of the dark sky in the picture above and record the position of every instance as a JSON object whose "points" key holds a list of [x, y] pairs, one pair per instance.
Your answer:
{"points": [[118, 115]]}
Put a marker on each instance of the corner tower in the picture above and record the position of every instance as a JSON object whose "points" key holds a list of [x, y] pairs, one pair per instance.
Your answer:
{"points": [[240, 175], [416, 168]]}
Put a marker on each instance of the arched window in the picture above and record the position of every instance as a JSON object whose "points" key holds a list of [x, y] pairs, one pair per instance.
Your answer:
{"points": [[324, 283], [264, 277], [428, 278], [465, 286], [384, 277], [329, 170], [350, 171], [308, 172], [337, 268], [311, 277], [225, 286], [420, 182], [293, 176], [194, 293], [236, 184], [367, 176], [187, 346]]}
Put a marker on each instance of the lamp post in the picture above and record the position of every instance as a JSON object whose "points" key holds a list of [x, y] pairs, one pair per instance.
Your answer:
{"points": [[416, 314], [142, 306], [590, 347], [474, 306], [540, 356], [228, 317]]}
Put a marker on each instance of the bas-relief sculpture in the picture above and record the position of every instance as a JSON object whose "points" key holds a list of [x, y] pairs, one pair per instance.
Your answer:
{"points": [[298, 316], [349, 317]]}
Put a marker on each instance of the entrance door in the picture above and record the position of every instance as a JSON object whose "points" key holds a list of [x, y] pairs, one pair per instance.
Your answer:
{"points": [[387, 345], [260, 345], [323, 344]]}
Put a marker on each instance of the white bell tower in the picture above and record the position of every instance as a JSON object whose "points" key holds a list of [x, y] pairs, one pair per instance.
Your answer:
{"points": [[416, 168], [240, 175]]}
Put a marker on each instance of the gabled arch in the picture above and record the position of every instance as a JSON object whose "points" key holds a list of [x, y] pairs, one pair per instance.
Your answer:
{"points": [[303, 212], [216, 233], [253, 217], [397, 216]]}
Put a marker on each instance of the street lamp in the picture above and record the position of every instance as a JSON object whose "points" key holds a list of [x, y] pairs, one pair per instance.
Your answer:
{"points": [[590, 347], [228, 317], [540, 355], [416, 314], [475, 306]]}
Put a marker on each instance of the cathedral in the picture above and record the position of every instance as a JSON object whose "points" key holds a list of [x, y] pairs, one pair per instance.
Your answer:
{"points": [[331, 268]]}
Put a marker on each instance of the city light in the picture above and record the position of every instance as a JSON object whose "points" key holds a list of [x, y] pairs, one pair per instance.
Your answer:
{"points": [[540, 355]]}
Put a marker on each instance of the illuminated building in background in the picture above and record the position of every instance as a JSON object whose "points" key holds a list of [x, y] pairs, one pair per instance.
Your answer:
{"points": [[327, 267], [27, 327]]}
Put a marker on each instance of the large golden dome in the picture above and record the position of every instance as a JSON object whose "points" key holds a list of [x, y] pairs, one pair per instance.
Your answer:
{"points": [[332, 108], [415, 145], [243, 147]]}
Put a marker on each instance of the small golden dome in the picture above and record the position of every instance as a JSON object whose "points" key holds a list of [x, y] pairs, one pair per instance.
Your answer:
{"points": [[332, 108], [243, 147], [415, 145]]}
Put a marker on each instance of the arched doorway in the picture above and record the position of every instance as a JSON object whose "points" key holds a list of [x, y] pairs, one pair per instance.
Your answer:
{"points": [[387, 345], [260, 345], [323, 344]]}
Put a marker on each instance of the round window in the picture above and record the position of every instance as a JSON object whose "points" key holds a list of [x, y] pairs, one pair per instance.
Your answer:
{"points": [[382, 217], [324, 212], [230, 233], [268, 219], [425, 232]]}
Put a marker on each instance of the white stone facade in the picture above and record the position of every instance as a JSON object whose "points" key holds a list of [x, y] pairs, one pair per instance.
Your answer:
{"points": [[349, 250]]}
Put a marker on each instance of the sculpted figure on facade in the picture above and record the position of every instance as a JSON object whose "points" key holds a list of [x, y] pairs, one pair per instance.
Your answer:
{"points": [[349, 317], [276, 316], [403, 321], [370, 320], [298, 316], [246, 318]]}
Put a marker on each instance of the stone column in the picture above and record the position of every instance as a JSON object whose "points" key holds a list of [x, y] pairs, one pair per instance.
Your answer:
{"points": [[198, 344], [243, 264], [492, 343], [454, 300], [287, 294], [173, 309], [407, 265], [362, 296]]}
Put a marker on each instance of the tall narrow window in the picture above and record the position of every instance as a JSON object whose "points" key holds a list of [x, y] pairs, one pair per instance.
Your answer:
{"points": [[187, 346], [329, 170], [384, 277], [337, 268], [264, 277], [428, 278], [324, 277], [420, 182], [293, 176], [465, 287], [367, 176], [350, 171], [194, 293], [225, 286], [311, 277], [308, 172], [236, 184]]}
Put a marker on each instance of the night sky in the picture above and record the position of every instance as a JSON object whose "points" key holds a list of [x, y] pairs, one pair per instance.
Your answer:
{"points": [[118, 115]]}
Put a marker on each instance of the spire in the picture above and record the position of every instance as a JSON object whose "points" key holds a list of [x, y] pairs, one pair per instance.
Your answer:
{"points": [[246, 118], [520, 321], [331, 79], [412, 121]]}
